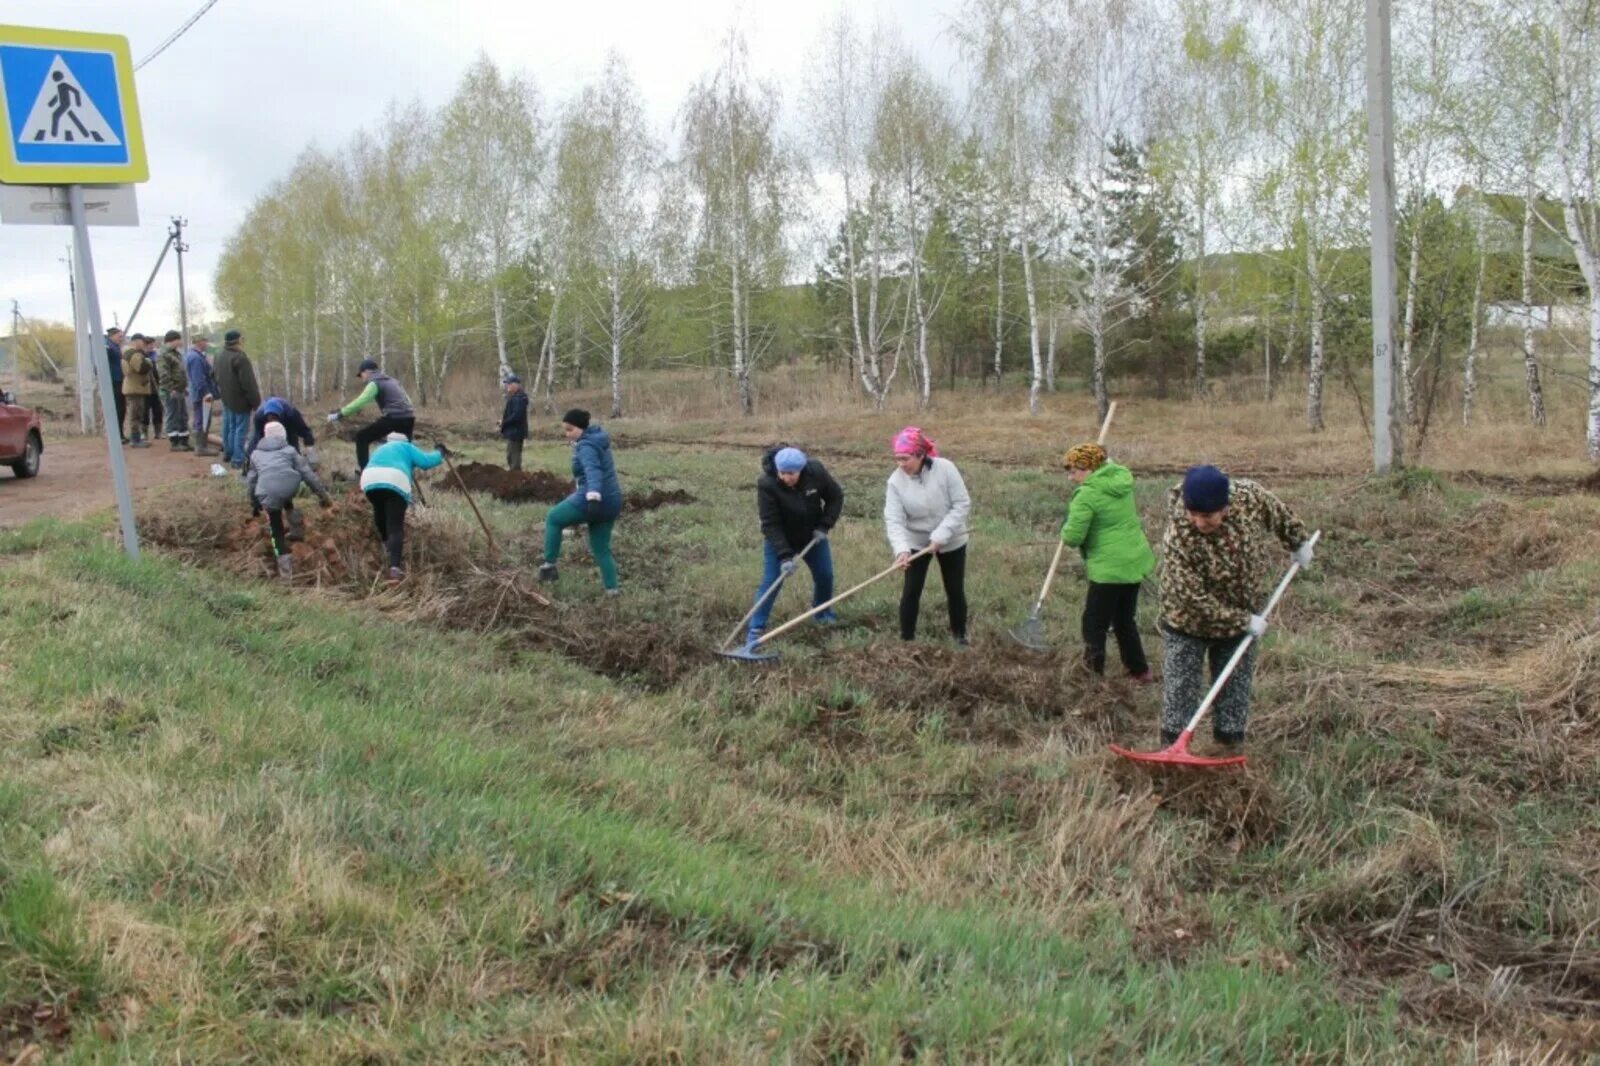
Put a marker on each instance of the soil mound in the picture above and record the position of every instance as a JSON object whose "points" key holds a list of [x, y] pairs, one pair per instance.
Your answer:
{"points": [[542, 486]]}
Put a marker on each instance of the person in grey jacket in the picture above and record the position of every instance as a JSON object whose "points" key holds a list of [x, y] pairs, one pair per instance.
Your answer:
{"points": [[395, 413], [925, 504], [274, 474]]}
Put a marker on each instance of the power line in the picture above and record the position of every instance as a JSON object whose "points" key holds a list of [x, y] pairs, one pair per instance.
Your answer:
{"points": [[179, 32]]}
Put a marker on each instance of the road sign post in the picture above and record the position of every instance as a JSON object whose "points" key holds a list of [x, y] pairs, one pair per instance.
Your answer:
{"points": [[69, 116]]}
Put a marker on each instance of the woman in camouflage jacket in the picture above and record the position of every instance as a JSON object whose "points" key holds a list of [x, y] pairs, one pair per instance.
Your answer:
{"points": [[1215, 567]]}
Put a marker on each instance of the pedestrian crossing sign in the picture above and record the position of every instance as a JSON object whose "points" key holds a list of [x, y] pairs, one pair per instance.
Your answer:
{"points": [[68, 109]]}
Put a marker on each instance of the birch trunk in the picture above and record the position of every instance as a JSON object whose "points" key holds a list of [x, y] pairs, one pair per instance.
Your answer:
{"points": [[1314, 373], [1200, 387], [1408, 392], [616, 345], [500, 333], [1036, 380], [1580, 232], [741, 357], [1530, 355], [999, 306], [1469, 377]]}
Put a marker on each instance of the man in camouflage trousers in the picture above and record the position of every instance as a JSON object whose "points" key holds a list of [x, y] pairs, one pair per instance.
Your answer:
{"points": [[1216, 564], [175, 383]]}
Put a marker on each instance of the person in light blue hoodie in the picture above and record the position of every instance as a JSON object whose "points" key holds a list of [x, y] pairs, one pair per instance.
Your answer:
{"points": [[387, 483]]}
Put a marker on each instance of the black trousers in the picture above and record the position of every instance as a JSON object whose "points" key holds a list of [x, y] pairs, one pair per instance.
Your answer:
{"points": [[389, 519], [513, 455], [153, 411], [121, 403], [1112, 608], [376, 432], [275, 521], [953, 572]]}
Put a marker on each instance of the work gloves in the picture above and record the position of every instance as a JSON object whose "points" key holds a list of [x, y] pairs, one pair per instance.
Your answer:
{"points": [[1258, 626], [591, 505], [786, 567], [820, 535], [1302, 555], [439, 447], [334, 416]]}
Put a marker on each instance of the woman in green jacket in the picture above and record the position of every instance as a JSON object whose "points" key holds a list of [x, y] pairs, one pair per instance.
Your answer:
{"points": [[1103, 524]]}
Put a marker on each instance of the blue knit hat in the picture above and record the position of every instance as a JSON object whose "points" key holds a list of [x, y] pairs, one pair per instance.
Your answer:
{"points": [[789, 460], [1205, 489]]}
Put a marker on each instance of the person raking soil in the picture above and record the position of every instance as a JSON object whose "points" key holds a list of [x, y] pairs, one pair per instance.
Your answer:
{"points": [[1103, 524], [596, 503], [925, 505], [1215, 567], [395, 413], [274, 473], [388, 483], [797, 500]]}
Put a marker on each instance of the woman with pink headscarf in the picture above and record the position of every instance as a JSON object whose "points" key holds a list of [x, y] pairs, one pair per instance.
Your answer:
{"points": [[926, 503]]}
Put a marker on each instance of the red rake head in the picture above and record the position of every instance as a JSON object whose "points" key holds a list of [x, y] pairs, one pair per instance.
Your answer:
{"points": [[1178, 755]]}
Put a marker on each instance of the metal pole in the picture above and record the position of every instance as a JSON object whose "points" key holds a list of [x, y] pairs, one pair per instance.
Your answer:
{"points": [[1388, 432], [183, 302], [148, 282], [108, 407]]}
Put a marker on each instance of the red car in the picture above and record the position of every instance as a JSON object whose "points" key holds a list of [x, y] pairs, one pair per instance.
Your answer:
{"points": [[21, 437]]}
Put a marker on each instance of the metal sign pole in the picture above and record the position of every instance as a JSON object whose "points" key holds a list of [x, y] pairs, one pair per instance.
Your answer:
{"points": [[108, 408], [183, 301]]}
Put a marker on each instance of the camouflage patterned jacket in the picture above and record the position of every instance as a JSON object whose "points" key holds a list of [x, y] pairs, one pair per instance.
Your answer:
{"points": [[1212, 583]]}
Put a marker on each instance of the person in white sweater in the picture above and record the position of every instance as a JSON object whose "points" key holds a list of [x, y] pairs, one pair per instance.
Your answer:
{"points": [[926, 503]]}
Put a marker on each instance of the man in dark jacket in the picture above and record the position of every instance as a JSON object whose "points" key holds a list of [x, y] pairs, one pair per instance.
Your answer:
{"points": [[395, 413], [514, 422], [202, 390], [236, 382], [114, 361], [296, 431], [798, 501]]}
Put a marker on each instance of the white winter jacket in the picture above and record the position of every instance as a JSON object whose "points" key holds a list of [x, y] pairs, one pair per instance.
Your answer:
{"points": [[933, 505]]}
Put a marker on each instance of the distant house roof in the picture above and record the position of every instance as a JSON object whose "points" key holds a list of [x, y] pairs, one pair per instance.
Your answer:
{"points": [[1504, 228]]}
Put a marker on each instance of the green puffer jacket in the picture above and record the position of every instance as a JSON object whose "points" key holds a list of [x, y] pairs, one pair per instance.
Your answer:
{"points": [[1103, 523]]}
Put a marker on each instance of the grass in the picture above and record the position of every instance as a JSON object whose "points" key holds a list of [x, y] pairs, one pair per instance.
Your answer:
{"points": [[329, 824]]}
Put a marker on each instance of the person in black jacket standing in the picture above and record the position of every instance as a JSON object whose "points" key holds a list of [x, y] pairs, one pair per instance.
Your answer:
{"points": [[114, 364], [514, 422], [797, 499]]}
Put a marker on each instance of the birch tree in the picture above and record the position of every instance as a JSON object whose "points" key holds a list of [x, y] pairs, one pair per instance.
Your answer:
{"points": [[738, 176], [1313, 93], [491, 156], [607, 166]]}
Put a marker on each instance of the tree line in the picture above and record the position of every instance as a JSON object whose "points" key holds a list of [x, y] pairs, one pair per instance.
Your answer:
{"points": [[1171, 191]]}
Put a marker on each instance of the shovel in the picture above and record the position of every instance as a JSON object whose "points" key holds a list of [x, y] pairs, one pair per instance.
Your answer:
{"points": [[1029, 632], [1178, 754], [749, 655], [846, 594], [493, 553]]}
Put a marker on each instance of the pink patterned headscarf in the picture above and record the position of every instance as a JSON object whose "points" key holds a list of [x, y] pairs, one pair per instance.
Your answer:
{"points": [[911, 441]]}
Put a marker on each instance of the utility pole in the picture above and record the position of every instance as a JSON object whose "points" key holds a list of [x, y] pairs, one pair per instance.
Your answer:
{"points": [[1388, 432], [176, 237], [83, 350]]}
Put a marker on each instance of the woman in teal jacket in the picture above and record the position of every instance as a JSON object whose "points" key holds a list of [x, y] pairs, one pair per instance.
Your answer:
{"points": [[1103, 524]]}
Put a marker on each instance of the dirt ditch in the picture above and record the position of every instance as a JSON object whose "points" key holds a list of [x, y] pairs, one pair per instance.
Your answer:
{"points": [[542, 486]]}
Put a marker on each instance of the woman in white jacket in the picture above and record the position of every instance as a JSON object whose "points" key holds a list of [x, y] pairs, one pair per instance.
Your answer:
{"points": [[926, 503]]}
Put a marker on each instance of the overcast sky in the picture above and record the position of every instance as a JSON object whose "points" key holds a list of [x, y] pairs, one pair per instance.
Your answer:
{"points": [[228, 107]]}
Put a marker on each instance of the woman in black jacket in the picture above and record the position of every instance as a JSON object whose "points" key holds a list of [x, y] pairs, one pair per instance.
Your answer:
{"points": [[798, 500]]}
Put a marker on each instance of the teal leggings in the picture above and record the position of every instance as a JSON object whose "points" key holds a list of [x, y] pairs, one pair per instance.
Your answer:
{"points": [[566, 513]]}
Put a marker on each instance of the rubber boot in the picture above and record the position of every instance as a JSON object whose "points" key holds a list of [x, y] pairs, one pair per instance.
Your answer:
{"points": [[297, 526], [138, 441], [548, 572], [184, 445], [395, 576], [286, 566]]}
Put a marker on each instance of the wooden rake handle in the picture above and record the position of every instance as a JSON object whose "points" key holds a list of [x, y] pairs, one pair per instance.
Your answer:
{"points": [[773, 591], [846, 594], [1055, 561], [493, 552]]}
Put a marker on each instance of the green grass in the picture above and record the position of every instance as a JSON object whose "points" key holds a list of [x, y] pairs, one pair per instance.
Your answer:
{"points": [[247, 823]]}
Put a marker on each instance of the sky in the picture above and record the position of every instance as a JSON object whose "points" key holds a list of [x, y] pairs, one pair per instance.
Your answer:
{"points": [[254, 82]]}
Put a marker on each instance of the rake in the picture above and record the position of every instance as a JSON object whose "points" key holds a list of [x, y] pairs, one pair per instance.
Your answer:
{"points": [[1030, 631], [819, 608], [748, 654], [1177, 753]]}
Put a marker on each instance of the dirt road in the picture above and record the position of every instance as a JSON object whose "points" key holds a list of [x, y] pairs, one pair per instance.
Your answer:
{"points": [[75, 478]]}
